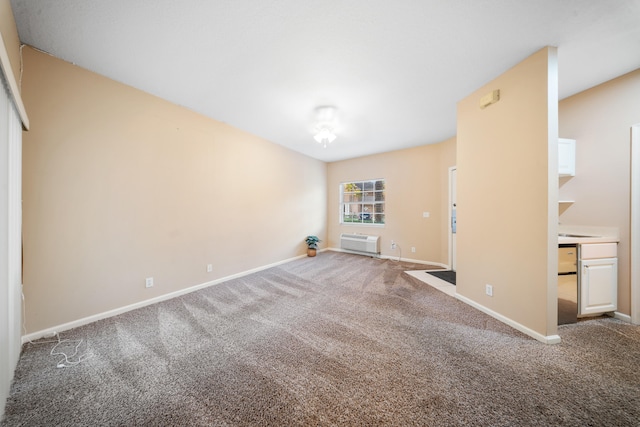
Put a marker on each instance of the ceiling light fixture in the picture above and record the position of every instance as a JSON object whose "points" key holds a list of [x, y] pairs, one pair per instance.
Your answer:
{"points": [[325, 125], [325, 136]]}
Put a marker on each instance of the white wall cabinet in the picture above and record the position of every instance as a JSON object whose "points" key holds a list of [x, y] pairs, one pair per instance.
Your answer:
{"points": [[598, 279], [566, 157]]}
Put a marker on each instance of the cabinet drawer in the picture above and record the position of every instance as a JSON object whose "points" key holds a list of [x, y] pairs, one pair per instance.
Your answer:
{"points": [[598, 250]]}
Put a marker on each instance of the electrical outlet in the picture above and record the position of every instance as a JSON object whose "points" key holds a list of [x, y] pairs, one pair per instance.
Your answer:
{"points": [[413, 249], [209, 268], [488, 289], [393, 244], [148, 282]]}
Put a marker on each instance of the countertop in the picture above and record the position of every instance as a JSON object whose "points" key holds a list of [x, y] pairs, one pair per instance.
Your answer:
{"points": [[563, 240], [578, 235]]}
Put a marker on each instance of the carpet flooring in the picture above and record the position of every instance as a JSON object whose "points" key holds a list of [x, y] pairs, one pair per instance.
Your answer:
{"points": [[337, 339]]}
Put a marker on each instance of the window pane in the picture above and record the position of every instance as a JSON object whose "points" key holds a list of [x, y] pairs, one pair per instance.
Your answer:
{"points": [[365, 217], [349, 187], [368, 196], [350, 212], [351, 197], [362, 202]]}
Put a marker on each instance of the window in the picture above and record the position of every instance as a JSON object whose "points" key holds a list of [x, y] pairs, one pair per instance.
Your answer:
{"points": [[362, 202]]}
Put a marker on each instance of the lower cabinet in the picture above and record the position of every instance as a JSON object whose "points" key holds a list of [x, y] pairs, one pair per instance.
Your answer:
{"points": [[598, 290]]}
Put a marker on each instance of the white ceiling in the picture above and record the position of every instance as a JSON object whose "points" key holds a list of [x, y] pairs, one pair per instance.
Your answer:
{"points": [[394, 69]]}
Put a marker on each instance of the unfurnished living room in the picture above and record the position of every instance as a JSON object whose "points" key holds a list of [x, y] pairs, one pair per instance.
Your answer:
{"points": [[276, 213]]}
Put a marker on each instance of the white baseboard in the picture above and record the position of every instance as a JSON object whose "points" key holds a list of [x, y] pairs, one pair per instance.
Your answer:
{"points": [[547, 339], [622, 316], [346, 251], [90, 319], [415, 261], [392, 258]]}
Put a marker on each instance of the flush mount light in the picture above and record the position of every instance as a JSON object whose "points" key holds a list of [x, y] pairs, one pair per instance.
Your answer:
{"points": [[325, 123]]}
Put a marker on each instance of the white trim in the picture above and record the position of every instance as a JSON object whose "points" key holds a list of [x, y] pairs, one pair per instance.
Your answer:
{"points": [[14, 90], [341, 203], [551, 314], [389, 257], [90, 319], [621, 316], [10, 239], [347, 251], [547, 339], [634, 253], [416, 261], [450, 230], [14, 228]]}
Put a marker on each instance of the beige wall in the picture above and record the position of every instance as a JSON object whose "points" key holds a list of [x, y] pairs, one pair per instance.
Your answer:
{"points": [[507, 171], [9, 33], [416, 182], [120, 185], [600, 121]]}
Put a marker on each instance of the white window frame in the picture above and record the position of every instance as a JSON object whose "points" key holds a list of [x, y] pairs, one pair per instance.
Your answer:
{"points": [[343, 206]]}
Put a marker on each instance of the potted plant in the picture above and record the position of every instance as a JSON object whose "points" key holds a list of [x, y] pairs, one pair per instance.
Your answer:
{"points": [[312, 245]]}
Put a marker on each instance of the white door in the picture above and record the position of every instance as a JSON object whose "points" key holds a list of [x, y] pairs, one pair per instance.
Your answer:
{"points": [[598, 290], [452, 217]]}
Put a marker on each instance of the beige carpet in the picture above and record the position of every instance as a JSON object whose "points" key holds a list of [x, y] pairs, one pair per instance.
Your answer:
{"points": [[333, 340]]}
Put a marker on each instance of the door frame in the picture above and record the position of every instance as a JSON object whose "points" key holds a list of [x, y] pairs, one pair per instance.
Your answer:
{"points": [[450, 198], [635, 225]]}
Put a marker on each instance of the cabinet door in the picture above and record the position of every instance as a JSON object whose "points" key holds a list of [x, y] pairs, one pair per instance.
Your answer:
{"points": [[566, 157], [598, 290]]}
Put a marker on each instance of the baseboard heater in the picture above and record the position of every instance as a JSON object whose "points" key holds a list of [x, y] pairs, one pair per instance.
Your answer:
{"points": [[360, 243]]}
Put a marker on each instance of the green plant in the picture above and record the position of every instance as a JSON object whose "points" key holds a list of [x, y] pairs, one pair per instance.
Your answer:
{"points": [[312, 242]]}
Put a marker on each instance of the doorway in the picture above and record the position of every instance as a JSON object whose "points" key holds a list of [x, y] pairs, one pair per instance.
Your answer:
{"points": [[452, 217], [635, 224]]}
